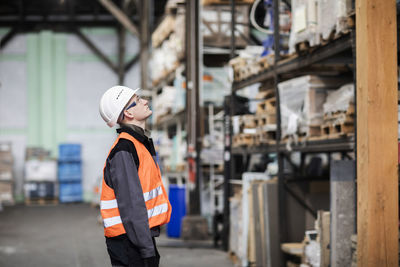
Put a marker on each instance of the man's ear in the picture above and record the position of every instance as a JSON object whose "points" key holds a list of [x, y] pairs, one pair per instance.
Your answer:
{"points": [[128, 114]]}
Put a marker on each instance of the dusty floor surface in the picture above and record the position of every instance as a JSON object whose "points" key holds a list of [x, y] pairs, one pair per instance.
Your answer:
{"points": [[70, 235]]}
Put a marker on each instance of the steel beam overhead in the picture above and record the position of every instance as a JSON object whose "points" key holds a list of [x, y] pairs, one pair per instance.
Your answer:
{"points": [[132, 62], [144, 43], [8, 37], [121, 16], [96, 50]]}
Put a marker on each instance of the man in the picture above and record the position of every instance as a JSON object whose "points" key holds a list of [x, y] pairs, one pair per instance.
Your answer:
{"points": [[134, 202]]}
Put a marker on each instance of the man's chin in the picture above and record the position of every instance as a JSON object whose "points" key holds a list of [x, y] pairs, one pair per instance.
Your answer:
{"points": [[149, 113]]}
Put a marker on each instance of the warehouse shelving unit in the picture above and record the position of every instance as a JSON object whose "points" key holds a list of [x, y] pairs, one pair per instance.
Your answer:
{"points": [[322, 59]]}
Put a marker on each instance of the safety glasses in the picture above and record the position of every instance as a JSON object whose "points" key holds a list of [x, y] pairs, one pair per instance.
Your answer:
{"points": [[132, 105]]}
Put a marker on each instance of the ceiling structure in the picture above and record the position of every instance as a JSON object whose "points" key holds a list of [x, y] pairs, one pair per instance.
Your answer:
{"points": [[135, 16], [62, 15]]}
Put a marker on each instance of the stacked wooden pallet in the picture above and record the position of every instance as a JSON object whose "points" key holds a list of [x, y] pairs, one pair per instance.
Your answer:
{"points": [[225, 2], [259, 128], [338, 124], [162, 32], [246, 137], [266, 118], [244, 68]]}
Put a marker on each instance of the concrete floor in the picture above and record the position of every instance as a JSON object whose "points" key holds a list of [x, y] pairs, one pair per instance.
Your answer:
{"points": [[69, 235]]}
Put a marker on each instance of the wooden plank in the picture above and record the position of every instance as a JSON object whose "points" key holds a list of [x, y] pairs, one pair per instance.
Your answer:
{"points": [[377, 180], [257, 214], [324, 236], [251, 241]]}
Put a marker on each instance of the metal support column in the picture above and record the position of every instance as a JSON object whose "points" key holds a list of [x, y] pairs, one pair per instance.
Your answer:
{"points": [[228, 158], [280, 156], [193, 108], [144, 43], [121, 54]]}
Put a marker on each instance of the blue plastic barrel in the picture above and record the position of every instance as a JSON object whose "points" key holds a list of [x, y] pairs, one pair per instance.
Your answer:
{"points": [[177, 199]]}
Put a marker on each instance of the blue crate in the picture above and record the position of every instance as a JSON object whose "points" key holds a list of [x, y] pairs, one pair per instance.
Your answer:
{"points": [[70, 192], [69, 171], [69, 152]]}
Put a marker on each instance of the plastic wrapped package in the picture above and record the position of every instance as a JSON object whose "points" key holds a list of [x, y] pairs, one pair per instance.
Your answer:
{"points": [[235, 207], [301, 101], [339, 100], [343, 9], [164, 102], [215, 86], [304, 23], [312, 253], [332, 16], [327, 13]]}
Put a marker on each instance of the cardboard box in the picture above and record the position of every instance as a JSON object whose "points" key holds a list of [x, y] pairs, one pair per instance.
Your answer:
{"points": [[6, 162], [36, 153], [6, 193]]}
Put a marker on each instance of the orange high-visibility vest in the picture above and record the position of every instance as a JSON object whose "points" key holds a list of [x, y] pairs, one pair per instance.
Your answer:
{"points": [[154, 194]]}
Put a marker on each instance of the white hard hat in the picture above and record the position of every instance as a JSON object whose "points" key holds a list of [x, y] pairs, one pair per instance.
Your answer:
{"points": [[113, 101]]}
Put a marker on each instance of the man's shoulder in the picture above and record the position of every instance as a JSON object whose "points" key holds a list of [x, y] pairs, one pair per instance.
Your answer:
{"points": [[122, 145]]}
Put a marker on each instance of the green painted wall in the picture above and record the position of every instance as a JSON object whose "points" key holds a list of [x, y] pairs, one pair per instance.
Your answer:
{"points": [[33, 90], [59, 85], [46, 63]]}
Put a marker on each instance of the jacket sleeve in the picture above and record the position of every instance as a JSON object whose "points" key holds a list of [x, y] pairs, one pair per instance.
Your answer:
{"points": [[128, 192]]}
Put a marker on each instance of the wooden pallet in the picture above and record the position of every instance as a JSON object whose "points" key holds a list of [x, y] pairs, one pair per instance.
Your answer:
{"points": [[266, 137], [162, 32], [343, 116], [265, 94], [302, 47], [41, 201], [337, 130], [248, 121], [217, 167], [243, 140], [225, 2], [232, 256], [267, 106], [311, 131], [265, 119], [263, 63]]}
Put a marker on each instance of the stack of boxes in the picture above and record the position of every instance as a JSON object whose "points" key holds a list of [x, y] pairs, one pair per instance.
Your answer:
{"points": [[40, 176], [6, 174], [70, 173]]}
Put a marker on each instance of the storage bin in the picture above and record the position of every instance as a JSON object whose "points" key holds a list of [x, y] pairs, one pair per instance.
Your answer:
{"points": [[70, 192], [40, 170], [42, 190], [69, 152], [69, 171], [178, 203]]}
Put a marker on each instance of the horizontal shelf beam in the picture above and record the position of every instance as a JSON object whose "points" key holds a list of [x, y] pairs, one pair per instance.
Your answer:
{"points": [[334, 145], [289, 65]]}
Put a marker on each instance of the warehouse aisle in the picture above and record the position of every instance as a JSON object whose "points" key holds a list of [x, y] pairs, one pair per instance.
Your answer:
{"points": [[69, 235]]}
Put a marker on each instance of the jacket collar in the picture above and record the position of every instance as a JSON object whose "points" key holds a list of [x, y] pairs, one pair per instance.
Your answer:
{"points": [[140, 137]]}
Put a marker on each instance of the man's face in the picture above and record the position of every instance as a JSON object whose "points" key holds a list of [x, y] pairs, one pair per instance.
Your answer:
{"points": [[141, 110]]}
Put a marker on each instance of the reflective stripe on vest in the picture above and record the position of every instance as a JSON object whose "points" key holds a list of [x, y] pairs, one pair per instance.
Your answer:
{"points": [[154, 194]]}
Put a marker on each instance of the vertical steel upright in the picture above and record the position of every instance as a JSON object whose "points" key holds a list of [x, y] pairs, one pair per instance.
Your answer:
{"points": [[192, 103], [144, 43], [280, 156], [228, 113]]}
